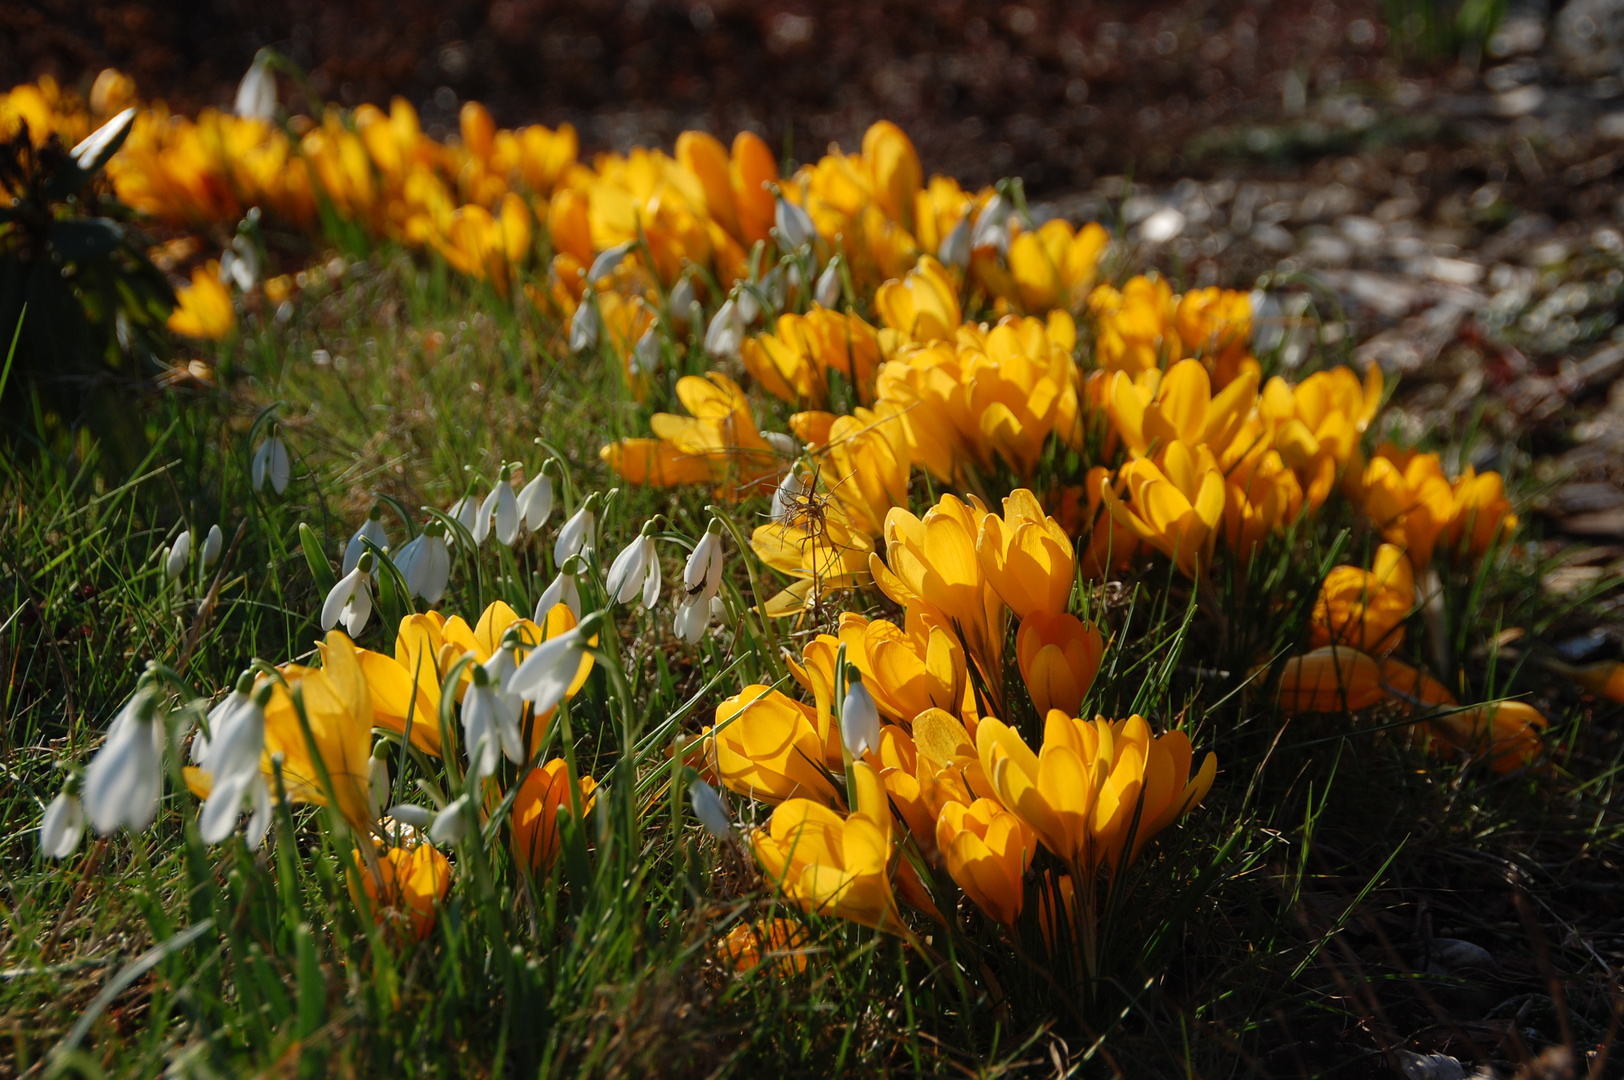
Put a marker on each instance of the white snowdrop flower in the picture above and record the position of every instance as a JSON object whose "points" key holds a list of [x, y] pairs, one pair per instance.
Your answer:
{"points": [[576, 535], [990, 229], [749, 306], [256, 94], [510, 707], [233, 765], [239, 264], [693, 617], [585, 326], [794, 225], [409, 814], [124, 781], [502, 506], [425, 563], [63, 825], [859, 717], [350, 600], [213, 544], [175, 561], [954, 249], [545, 675], [94, 150], [783, 442], [827, 290], [787, 499], [451, 824], [702, 574], [1162, 226], [646, 353], [682, 298], [708, 808], [775, 286], [377, 782], [220, 716], [725, 335], [636, 570], [271, 463], [371, 529], [488, 718], [607, 260], [535, 501], [564, 589]]}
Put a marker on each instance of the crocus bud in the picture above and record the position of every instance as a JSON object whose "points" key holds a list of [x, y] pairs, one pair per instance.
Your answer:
{"points": [[709, 810], [859, 717], [827, 291], [175, 561], [794, 226]]}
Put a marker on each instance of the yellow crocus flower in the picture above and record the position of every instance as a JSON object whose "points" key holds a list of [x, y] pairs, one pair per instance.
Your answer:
{"points": [[1027, 556], [987, 850], [203, 308], [1058, 655], [924, 305], [769, 747], [1366, 609], [1176, 506]]}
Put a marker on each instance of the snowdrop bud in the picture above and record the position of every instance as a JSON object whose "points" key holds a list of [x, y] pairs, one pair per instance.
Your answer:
{"points": [[794, 226], [709, 810], [646, 353], [418, 817], [63, 825], [213, 544], [783, 442], [124, 781], [725, 335], [256, 94], [563, 590], [792, 492], [827, 291], [451, 824], [859, 717], [350, 599], [955, 247], [175, 561], [607, 260], [576, 535], [990, 231], [371, 529], [682, 298], [271, 463], [100, 145], [535, 501], [504, 507], [749, 307], [585, 327], [377, 780]]}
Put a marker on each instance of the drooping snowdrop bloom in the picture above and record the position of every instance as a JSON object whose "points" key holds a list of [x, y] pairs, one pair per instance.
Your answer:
{"points": [[545, 675], [63, 824], [233, 764], [425, 562], [708, 808], [564, 589], [636, 569], [646, 353], [370, 530], [691, 620], [682, 298], [794, 226], [576, 535], [725, 335], [219, 717], [175, 561], [535, 501], [271, 463], [451, 824], [701, 578], [827, 290], [350, 600], [417, 817], [466, 512], [256, 94], [607, 260], [859, 717], [749, 305], [239, 264], [213, 544], [124, 781], [955, 246], [585, 326], [501, 506], [990, 229], [490, 722], [783, 442], [789, 497]]}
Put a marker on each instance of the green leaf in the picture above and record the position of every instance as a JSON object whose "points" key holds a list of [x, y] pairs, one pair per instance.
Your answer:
{"points": [[320, 568]]}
